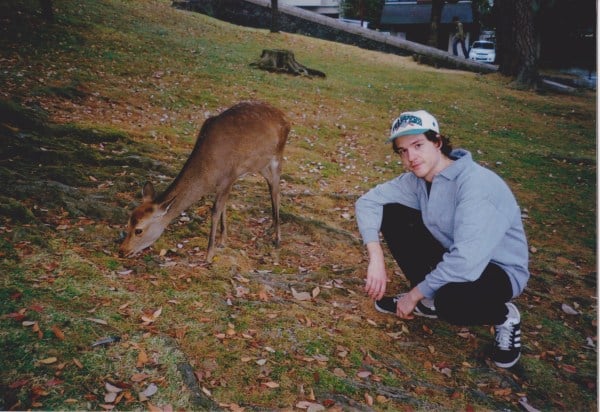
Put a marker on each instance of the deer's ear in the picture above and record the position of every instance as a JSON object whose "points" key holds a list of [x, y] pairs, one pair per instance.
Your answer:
{"points": [[148, 192]]}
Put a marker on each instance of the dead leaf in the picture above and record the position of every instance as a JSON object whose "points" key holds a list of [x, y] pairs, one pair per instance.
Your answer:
{"points": [[368, 399], [110, 397], [503, 392], [525, 404], [95, 320], [139, 377], [152, 318], [148, 392], [315, 292], [339, 373], [271, 385], [112, 388], [363, 374], [569, 310], [153, 408], [57, 332], [142, 359], [301, 295], [18, 384], [48, 361]]}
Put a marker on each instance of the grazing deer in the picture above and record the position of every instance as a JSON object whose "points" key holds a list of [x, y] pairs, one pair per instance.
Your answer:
{"points": [[246, 138]]}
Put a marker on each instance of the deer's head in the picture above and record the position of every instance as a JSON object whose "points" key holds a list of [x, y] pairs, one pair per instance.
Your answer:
{"points": [[146, 224]]}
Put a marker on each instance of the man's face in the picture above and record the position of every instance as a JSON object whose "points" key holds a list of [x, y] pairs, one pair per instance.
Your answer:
{"points": [[419, 155]]}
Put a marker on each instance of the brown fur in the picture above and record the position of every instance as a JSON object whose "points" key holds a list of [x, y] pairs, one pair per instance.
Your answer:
{"points": [[246, 138]]}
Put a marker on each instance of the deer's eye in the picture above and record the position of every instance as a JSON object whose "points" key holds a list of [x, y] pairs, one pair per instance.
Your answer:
{"points": [[138, 232]]}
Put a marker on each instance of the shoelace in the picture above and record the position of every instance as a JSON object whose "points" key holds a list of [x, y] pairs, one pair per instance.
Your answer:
{"points": [[504, 335]]}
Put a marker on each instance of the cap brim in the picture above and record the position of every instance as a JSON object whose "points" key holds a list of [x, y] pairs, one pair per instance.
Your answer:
{"points": [[406, 133]]}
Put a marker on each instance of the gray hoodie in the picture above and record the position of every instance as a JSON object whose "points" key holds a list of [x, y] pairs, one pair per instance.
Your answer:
{"points": [[470, 210]]}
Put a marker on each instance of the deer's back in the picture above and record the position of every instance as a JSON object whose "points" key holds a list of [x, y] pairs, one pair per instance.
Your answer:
{"points": [[242, 139]]}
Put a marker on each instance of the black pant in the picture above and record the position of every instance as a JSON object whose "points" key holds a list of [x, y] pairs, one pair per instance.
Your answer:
{"points": [[417, 252]]}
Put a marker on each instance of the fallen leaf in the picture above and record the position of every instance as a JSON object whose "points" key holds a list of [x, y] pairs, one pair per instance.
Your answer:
{"points": [[152, 318], [368, 399], [148, 392], [301, 295], [18, 384], [110, 397], [153, 408], [112, 388], [339, 373], [54, 382], [57, 332], [100, 321], [569, 310], [48, 361], [525, 404], [142, 359], [503, 392], [271, 385], [139, 377], [315, 292]]}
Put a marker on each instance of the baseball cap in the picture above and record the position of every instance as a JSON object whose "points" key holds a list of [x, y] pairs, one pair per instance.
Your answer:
{"points": [[413, 123]]}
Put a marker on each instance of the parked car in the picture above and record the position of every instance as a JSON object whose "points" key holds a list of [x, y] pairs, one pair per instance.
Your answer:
{"points": [[483, 51]]}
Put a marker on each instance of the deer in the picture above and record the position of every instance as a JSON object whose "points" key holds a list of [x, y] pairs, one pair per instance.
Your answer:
{"points": [[248, 137]]}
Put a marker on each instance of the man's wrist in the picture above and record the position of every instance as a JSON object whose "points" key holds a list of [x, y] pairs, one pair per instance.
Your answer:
{"points": [[415, 295]]}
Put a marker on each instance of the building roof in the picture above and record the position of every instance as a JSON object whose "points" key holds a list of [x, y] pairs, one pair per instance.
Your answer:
{"points": [[397, 13]]}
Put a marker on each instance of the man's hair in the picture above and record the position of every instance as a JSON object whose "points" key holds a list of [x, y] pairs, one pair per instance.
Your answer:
{"points": [[443, 140]]}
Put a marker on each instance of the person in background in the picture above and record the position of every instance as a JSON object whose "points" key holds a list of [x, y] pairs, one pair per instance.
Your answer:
{"points": [[455, 229], [459, 37]]}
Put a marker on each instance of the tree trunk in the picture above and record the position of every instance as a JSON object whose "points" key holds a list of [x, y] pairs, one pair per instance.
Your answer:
{"points": [[274, 16], [436, 17], [47, 12], [284, 61], [516, 47]]}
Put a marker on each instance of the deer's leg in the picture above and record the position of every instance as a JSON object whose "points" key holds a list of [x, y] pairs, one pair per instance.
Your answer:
{"points": [[272, 174], [217, 217]]}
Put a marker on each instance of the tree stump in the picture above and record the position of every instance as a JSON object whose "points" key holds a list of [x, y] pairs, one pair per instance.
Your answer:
{"points": [[274, 60]]}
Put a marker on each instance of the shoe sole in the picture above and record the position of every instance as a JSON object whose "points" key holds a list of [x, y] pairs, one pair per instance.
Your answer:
{"points": [[508, 365], [424, 315], [378, 309], [415, 312]]}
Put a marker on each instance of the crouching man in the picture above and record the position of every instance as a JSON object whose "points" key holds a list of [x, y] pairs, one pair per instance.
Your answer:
{"points": [[455, 229]]}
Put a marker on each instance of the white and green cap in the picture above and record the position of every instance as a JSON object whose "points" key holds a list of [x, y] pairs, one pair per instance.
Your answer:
{"points": [[413, 123]]}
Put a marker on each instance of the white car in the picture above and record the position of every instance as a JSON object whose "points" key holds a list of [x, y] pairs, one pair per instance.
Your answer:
{"points": [[483, 51]]}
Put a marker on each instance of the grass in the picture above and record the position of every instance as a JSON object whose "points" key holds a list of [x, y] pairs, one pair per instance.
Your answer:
{"points": [[112, 95]]}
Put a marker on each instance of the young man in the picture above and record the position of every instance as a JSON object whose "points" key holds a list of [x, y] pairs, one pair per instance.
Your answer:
{"points": [[459, 38], [455, 230]]}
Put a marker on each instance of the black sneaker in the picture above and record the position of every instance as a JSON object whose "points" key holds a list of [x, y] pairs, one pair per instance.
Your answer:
{"points": [[424, 308], [507, 347]]}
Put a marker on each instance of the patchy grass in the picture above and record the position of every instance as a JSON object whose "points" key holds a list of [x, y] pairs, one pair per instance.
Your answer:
{"points": [[112, 94]]}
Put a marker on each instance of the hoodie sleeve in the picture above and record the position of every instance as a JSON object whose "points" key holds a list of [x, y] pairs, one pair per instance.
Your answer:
{"points": [[369, 207]]}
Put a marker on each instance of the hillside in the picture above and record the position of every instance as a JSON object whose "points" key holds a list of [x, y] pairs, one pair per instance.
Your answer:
{"points": [[112, 94]]}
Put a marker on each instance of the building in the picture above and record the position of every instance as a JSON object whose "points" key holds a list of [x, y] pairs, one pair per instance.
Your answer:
{"points": [[330, 8], [411, 19]]}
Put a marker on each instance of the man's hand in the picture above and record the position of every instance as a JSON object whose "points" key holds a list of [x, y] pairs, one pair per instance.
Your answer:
{"points": [[406, 304], [376, 277]]}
